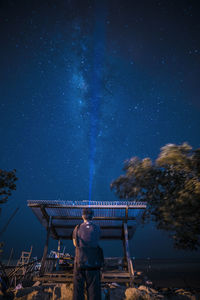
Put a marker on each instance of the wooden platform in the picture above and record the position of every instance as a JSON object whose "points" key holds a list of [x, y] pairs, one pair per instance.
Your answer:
{"points": [[62, 277]]}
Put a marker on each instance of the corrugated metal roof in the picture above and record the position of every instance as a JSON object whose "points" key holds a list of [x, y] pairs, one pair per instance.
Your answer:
{"points": [[65, 215]]}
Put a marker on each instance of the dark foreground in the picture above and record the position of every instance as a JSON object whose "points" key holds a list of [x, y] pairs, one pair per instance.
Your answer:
{"points": [[109, 292], [154, 279]]}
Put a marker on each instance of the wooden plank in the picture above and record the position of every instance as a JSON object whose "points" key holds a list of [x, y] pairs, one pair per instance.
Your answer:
{"points": [[126, 214], [102, 227], [116, 275], [46, 217], [45, 248], [128, 258], [64, 237], [70, 279], [123, 218], [106, 274]]}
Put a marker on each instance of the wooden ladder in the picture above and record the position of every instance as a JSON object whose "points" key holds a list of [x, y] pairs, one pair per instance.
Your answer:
{"points": [[24, 260]]}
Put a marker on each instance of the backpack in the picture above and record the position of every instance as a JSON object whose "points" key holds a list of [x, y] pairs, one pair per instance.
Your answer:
{"points": [[88, 257]]}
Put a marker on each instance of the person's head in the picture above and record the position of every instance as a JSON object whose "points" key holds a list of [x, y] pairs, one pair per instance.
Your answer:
{"points": [[87, 213]]}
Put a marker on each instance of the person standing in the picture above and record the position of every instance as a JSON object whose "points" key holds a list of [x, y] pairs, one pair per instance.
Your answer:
{"points": [[86, 265]]}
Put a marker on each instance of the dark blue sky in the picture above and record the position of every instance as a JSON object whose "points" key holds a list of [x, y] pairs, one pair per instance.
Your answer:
{"points": [[84, 87]]}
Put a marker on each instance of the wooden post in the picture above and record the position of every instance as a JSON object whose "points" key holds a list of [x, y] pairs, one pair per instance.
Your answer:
{"points": [[125, 264], [127, 254], [42, 269]]}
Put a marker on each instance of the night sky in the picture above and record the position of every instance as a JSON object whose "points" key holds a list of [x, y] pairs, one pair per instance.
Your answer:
{"points": [[85, 85]]}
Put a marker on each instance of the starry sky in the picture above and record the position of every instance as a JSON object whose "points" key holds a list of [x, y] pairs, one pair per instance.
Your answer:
{"points": [[85, 85]]}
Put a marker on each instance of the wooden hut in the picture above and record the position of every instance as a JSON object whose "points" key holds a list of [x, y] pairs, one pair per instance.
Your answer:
{"points": [[118, 221]]}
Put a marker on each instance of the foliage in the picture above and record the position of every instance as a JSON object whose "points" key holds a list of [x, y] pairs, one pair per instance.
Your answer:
{"points": [[171, 187], [7, 184]]}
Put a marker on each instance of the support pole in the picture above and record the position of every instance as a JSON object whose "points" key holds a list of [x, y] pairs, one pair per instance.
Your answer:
{"points": [[125, 264], [127, 254], [42, 269]]}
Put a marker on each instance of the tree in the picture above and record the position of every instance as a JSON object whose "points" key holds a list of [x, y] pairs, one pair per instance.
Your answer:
{"points": [[7, 184], [171, 187]]}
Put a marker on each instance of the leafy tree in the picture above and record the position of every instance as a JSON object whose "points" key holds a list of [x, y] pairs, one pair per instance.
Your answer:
{"points": [[171, 188], [7, 184]]}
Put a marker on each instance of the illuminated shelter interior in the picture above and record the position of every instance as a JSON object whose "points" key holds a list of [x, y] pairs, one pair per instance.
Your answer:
{"points": [[117, 219]]}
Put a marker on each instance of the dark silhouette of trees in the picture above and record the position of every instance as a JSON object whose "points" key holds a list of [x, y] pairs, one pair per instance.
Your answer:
{"points": [[171, 187], [7, 184]]}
